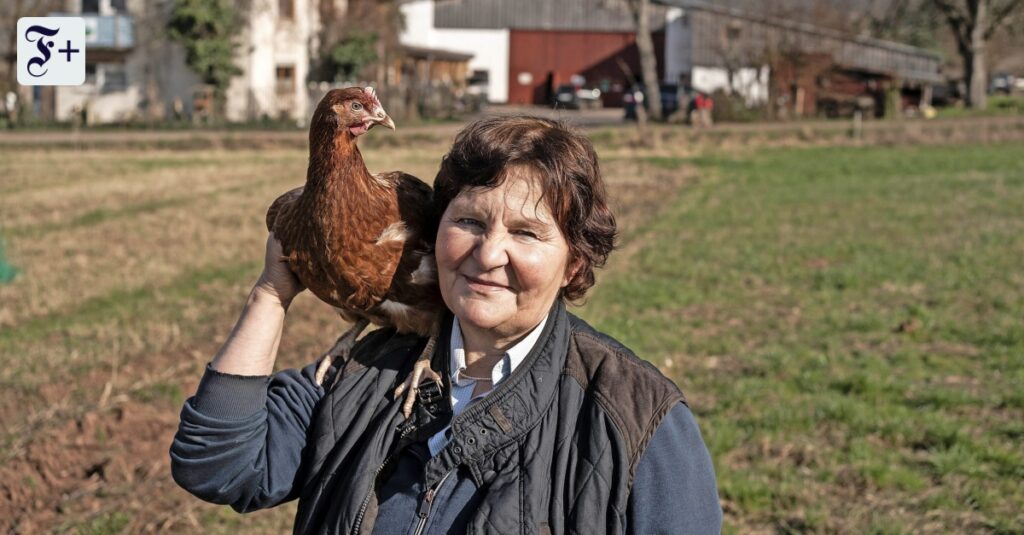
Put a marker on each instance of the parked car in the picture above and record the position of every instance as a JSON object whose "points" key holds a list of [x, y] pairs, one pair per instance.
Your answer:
{"points": [[1003, 83], [577, 98], [669, 100]]}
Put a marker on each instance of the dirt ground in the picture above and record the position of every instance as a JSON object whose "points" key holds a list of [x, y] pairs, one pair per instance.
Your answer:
{"points": [[134, 265]]}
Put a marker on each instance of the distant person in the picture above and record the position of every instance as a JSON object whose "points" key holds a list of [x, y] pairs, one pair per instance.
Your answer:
{"points": [[11, 108], [703, 105], [542, 424]]}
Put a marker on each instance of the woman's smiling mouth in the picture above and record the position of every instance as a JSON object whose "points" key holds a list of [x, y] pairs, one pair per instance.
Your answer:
{"points": [[481, 285]]}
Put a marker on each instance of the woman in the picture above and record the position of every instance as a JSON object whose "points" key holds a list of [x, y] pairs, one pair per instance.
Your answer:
{"points": [[542, 425]]}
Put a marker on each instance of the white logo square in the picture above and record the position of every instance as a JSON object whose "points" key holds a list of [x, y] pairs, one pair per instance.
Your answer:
{"points": [[51, 51]]}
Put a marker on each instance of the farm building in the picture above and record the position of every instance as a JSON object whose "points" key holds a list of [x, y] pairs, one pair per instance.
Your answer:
{"points": [[523, 50], [133, 69], [804, 68], [527, 48]]}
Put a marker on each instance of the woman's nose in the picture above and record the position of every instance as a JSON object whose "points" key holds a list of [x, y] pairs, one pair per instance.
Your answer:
{"points": [[491, 251]]}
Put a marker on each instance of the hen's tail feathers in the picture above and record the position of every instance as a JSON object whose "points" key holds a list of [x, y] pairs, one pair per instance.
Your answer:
{"points": [[340, 350], [421, 370]]}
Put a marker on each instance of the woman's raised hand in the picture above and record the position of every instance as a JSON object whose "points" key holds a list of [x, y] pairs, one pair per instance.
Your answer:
{"points": [[277, 279]]}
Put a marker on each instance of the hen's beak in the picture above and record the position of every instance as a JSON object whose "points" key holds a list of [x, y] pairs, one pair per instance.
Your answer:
{"points": [[386, 121]]}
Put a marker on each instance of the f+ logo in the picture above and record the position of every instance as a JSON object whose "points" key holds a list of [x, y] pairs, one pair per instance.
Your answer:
{"points": [[37, 38]]}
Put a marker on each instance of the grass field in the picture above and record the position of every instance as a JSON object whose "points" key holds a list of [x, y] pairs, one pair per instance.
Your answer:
{"points": [[846, 322]]}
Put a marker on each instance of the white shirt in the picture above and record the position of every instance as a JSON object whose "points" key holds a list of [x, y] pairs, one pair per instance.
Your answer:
{"points": [[462, 386]]}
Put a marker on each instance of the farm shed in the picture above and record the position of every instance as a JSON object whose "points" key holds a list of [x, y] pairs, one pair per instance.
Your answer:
{"points": [[802, 67], [430, 65]]}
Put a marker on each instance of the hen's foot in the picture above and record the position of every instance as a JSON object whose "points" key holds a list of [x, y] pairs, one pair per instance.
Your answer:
{"points": [[421, 372], [340, 350]]}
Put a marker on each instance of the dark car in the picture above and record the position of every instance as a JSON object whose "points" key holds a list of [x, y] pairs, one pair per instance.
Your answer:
{"points": [[669, 100], [577, 98]]}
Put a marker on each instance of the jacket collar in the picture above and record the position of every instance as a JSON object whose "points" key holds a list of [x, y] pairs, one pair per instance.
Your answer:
{"points": [[512, 408], [513, 357]]}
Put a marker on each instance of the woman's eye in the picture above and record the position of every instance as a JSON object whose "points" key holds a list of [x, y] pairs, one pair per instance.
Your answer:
{"points": [[468, 222], [356, 106], [526, 233]]}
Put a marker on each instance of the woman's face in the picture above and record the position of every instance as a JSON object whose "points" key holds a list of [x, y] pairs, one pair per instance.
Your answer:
{"points": [[501, 259]]}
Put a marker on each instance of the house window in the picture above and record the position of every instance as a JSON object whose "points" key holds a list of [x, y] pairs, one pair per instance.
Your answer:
{"points": [[285, 79], [90, 6], [286, 9], [115, 78], [119, 6], [732, 32]]}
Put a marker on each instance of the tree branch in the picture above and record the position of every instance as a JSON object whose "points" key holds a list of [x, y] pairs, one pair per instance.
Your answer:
{"points": [[999, 15], [960, 23]]}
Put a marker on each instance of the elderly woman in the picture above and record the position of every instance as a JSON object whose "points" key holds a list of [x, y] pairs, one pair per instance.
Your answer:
{"points": [[542, 424]]}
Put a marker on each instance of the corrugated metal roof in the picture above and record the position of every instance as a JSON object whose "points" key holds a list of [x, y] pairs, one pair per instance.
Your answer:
{"points": [[561, 15], [764, 33]]}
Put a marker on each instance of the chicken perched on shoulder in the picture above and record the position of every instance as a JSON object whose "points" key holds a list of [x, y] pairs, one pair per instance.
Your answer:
{"points": [[362, 243]]}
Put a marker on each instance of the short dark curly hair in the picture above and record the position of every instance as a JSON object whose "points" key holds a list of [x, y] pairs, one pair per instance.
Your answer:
{"points": [[566, 165]]}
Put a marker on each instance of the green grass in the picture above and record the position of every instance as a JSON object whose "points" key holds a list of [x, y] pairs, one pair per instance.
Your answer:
{"points": [[7, 271], [846, 322], [997, 105], [105, 524]]}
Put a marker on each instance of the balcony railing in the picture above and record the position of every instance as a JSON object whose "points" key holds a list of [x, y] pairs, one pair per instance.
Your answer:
{"points": [[106, 32]]}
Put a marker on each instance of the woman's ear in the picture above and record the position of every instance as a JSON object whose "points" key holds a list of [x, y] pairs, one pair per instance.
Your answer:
{"points": [[571, 269]]}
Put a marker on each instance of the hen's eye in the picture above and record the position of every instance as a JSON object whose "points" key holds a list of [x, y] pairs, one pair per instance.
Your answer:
{"points": [[356, 106]]}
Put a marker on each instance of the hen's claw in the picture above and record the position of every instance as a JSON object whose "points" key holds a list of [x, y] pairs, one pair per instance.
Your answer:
{"points": [[420, 371], [340, 350]]}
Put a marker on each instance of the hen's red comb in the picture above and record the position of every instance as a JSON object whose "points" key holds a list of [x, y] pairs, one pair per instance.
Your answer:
{"points": [[373, 96]]}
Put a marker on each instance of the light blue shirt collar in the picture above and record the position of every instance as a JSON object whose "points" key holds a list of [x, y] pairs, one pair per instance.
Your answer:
{"points": [[513, 357]]}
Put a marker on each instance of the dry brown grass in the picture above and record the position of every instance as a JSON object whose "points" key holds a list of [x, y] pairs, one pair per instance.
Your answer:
{"points": [[133, 266]]}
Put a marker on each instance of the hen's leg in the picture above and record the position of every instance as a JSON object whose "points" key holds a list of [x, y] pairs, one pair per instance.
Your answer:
{"points": [[340, 349], [420, 371]]}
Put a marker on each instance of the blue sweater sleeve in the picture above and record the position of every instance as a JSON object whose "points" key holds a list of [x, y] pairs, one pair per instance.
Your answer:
{"points": [[240, 439], [674, 490]]}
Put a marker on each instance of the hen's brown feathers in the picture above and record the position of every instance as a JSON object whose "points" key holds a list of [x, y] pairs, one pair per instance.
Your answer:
{"points": [[362, 243]]}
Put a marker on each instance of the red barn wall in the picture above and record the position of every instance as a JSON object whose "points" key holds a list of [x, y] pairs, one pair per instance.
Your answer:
{"points": [[561, 54]]}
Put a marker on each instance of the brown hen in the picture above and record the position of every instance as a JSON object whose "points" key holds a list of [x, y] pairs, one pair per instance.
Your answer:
{"points": [[362, 243]]}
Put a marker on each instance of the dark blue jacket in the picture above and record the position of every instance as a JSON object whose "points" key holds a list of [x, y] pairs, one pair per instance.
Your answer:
{"points": [[245, 441]]}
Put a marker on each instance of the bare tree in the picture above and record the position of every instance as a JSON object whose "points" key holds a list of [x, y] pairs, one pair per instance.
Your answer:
{"points": [[973, 23], [644, 134], [641, 13]]}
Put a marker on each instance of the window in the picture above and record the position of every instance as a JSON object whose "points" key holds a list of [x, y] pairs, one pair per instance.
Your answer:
{"points": [[115, 78], [732, 33], [286, 9], [285, 79], [479, 77], [90, 6], [119, 6]]}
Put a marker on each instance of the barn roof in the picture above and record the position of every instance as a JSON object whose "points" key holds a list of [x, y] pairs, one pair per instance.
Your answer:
{"points": [[874, 55], [562, 15], [869, 54]]}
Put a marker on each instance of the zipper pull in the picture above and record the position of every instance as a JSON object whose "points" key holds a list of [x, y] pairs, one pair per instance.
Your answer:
{"points": [[428, 499]]}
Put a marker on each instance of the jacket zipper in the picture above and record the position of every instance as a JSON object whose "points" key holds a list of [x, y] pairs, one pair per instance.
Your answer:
{"points": [[376, 474], [425, 505]]}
